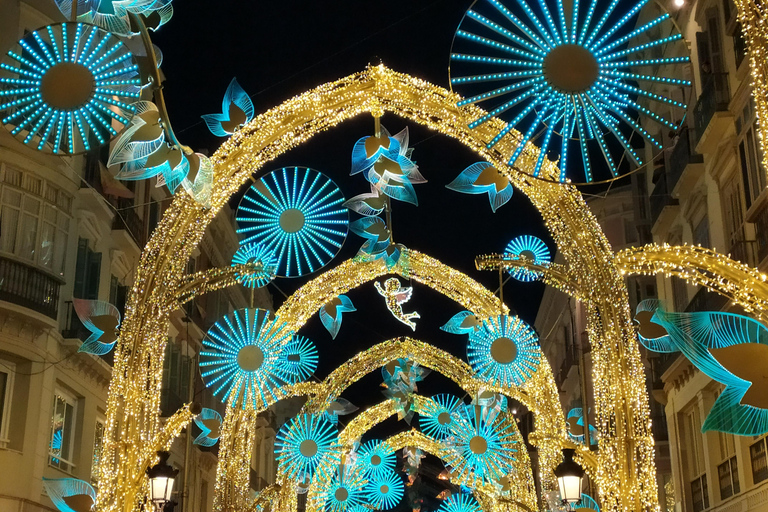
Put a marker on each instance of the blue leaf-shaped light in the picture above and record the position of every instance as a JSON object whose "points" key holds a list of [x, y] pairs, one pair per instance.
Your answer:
{"points": [[114, 15], [102, 319], [483, 178], [339, 407], [575, 421], [236, 110], [78, 491], [375, 231], [367, 150], [368, 204], [209, 421], [462, 323], [331, 313]]}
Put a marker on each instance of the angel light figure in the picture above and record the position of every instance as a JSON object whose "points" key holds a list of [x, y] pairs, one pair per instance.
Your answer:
{"points": [[396, 296]]}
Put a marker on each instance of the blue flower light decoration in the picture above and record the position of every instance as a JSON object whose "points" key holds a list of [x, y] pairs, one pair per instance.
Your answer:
{"points": [[263, 260], [376, 457], [368, 204], [331, 313], [345, 491], [376, 234], [297, 213], [236, 110], [462, 323], [460, 502], [299, 356], [58, 489], [102, 319], [574, 76], [505, 351], [209, 422], [244, 361], [114, 15], [483, 178], [65, 86], [385, 490], [436, 416], [305, 445], [531, 248]]}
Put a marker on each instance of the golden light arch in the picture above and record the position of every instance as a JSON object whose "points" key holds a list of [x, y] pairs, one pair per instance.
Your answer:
{"points": [[626, 472]]}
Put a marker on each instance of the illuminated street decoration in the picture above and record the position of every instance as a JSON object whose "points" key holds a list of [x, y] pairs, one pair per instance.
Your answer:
{"points": [[505, 350], [331, 313], [368, 204], [726, 347], [376, 458], [209, 422], [70, 494], [297, 213], [114, 15], [586, 504], [67, 87], [304, 443], [236, 110], [531, 248], [396, 295], [460, 502], [400, 377], [483, 178], [412, 460], [481, 444], [299, 356], [243, 360], [102, 319], [462, 323], [385, 490], [575, 421], [580, 77], [376, 234], [489, 399], [436, 417], [345, 490], [339, 407], [263, 260]]}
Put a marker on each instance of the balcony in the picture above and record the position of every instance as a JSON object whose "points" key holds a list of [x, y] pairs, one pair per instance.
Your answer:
{"points": [[663, 205], [128, 221], [744, 251], [684, 166], [711, 115], [570, 360], [29, 287]]}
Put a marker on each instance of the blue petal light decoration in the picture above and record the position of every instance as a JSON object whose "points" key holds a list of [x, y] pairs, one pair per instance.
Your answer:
{"points": [[237, 110], [304, 443], [462, 323], [330, 314], [577, 76], [299, 356], [114, 15], [384, 491], [262, 258], [209, 421], [482, 444], [376, 457], [575, 422], [532, 248], [375, 232], [297, 213], [483, 178], [339, 407], [244, 360], [460, 502], [66, 493], [436, 417], [368, 204], [67, 86], [102, 319], [345, 491], [505, 351]]}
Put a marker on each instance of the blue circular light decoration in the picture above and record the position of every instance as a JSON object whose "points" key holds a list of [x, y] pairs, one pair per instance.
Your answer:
{"points": [[262, 258], [385, 490], [300, 358], [345, 491], [304, 443], [296, 213], [505, 351], [64, 86], [534, 249], [460, 502], [435, 419], [243, 360], [376, 457], [579, 76]]}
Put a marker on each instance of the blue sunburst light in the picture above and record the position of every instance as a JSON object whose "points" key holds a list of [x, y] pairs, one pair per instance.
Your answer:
{"points": [[384, 491], [244, 361], [532, 248], [300, 358], [262, 259], [435, 418], [67, 88], [345, 490], [505, 351], [582, 75], [376, 457], [304, 443], [460, 502], [297, 213]]}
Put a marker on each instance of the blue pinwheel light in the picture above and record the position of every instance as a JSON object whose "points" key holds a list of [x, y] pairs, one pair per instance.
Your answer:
{"points": [[296, 213], [102, 319], [460, 502], [483, 178], [331, 313], [236, 110], [209, 422], [435, 418], [376, 457], [531, 248], [299, 357], [244, 361], [384, 491], [114, 15], [481, 445], [345, 490], [569, 74], [67, 88], [58, 489], [305, 445], [505, 351], [263, 260]]}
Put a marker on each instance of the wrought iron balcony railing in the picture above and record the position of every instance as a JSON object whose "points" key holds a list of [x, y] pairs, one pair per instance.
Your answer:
{"points": [[30, 287]]}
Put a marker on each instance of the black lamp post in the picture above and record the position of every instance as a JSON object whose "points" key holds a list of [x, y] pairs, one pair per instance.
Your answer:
{"points": [[161, 480], [569, 475]]}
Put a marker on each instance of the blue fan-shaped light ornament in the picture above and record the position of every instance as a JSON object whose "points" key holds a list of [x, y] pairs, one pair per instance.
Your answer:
{"points": [[505, 351], [531, 248], [209, 422], [236, 110], [483, 178], [307, 444], [243, 360], [66, 493], [296, 213], [114, 15], [460, 502], [67, 88], [331, 313], [462, 323], [263, 260], [586, 502], [580, 73], [102, 319], [376, 234], [376, 457], [299, 356], [339, 407], [436, 416], [575, 422], [345, 490], [384, 491]]}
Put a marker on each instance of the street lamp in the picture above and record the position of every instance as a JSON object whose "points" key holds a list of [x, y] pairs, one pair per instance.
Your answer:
{"points": [[161, 479], [569, 475]]}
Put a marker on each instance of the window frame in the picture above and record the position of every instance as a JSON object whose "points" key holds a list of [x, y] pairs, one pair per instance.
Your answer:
{"points": [[9, 369], [68, 464], [94, 479], [764, 442]]}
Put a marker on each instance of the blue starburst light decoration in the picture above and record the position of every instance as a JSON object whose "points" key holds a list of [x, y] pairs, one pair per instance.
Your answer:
{"points": [[300, 358], [209, 422], [263, 260], [296, 213], [58, 489], [460, 502], [305, 445], [436, 416], [244, 361], [345, 491], [67, 88], [481, 445], [505, 351], [376, 457], [570, 76], [385, 490], [531, 248]]}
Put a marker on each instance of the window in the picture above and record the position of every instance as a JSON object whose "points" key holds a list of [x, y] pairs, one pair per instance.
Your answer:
{"points": [[175, 390], [759, 459], [701, 232], [88, 271], [728, 475], [98, 448], [694, 458], [733, 215], [6, 386], [62, 431], [679, 294], [752, 172], [117, 294]]}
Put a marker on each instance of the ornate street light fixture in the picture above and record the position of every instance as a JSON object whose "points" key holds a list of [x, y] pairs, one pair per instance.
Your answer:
{"points": [[161, 480], [569, 475]]}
